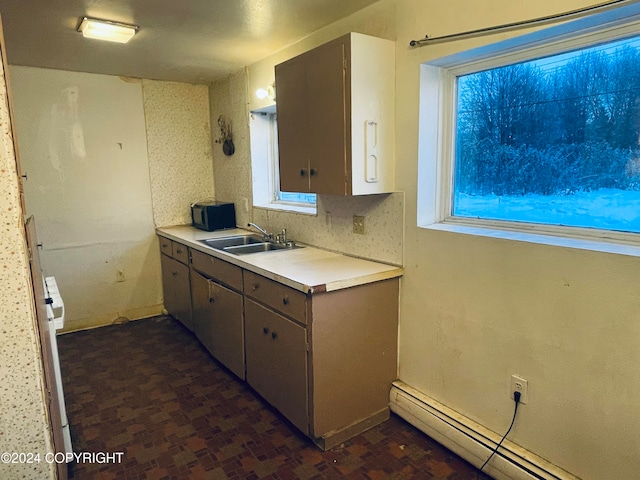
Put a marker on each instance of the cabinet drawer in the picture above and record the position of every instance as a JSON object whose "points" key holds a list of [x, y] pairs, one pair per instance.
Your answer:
{"points": [[286, 300], [165, 246], [213, 267], [180, 252]]}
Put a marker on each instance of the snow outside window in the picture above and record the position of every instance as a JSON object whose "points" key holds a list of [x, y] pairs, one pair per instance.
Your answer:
{"points": [[553, 140], [537, 134]]}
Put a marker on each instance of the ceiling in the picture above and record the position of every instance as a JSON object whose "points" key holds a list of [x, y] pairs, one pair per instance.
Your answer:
{"points": [[194, 41]]}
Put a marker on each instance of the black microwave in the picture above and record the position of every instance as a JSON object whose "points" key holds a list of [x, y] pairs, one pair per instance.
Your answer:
{"points": [[212, 215]]}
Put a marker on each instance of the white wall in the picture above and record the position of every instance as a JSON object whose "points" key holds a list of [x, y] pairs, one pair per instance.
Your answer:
{"points": [[475, 310], [83, 142]]}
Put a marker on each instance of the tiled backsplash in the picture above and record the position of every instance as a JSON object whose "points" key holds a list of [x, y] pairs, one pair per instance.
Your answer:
{"points": [[332, 227]]}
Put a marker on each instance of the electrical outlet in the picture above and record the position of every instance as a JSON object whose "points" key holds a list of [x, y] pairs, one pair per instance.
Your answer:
{"points": [[358, 224], [519, 384], [120, 276]]}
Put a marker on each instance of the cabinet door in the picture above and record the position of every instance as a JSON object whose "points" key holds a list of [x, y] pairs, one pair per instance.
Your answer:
{"points": [[313, 121], [227, 324], [218, 322], [327, 142], [277, 362], [182, 288], [202, 309], [168, 274], [292, 126], [176, 290]]}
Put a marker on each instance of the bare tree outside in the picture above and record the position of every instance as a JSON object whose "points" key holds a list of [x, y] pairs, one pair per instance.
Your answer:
{"points": [[553, 140]]}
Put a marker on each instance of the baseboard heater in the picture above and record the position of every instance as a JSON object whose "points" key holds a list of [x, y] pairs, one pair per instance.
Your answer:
{"points": [[470, 440]]}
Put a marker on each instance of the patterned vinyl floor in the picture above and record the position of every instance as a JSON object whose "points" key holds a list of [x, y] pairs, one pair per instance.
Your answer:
{"points": [[150, 390]]}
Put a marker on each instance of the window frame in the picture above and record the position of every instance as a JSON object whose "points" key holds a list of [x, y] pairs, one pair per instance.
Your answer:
{"points": [[436, 150]]}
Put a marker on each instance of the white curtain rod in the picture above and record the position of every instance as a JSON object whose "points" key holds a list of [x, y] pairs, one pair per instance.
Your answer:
{"points": [[581, 12]]}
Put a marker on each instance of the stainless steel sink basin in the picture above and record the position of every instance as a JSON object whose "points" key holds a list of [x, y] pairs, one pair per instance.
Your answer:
{"points": [[221, 243], [257, 247], [244, 244]]}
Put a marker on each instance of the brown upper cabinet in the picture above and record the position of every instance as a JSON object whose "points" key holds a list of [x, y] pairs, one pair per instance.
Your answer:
{"points": [[335, 107]]}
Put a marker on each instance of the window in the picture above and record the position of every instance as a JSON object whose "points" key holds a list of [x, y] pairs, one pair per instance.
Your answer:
{"points": [[293, 197], [552, 140], [542, 137], [264, 161]]}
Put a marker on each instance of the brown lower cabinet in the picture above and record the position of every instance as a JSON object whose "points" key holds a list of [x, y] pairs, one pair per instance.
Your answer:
{"points": [[277, 362], [218, 321], [175, 287], [325, 360]]}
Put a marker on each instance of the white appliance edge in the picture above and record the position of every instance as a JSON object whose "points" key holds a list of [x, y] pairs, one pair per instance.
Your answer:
{"points": [[55, 315]]}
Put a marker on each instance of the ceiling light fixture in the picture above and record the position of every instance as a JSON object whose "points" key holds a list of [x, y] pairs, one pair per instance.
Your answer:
{"points": [[106, 30]]}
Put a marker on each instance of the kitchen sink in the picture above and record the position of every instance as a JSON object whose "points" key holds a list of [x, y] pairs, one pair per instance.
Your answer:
{"points": [[223, 242], [258, 247], [245, 244]]}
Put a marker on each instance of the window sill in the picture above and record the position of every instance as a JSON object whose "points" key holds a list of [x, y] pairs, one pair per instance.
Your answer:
{"points": [[290, 207], [542, 239]]}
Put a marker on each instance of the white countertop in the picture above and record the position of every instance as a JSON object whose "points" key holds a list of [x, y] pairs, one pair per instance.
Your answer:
{"points": [[306, 269]]}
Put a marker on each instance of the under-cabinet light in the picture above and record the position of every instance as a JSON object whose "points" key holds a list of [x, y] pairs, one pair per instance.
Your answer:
{"points": [[263, 93], [106, 30]]}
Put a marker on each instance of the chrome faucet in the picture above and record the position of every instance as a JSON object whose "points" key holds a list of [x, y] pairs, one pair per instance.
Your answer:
{"points": [[282, 237], [266, 234]]}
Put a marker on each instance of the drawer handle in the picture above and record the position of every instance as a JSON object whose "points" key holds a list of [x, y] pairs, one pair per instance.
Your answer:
{"points": [[255, 286], [265, 330], [211, 300], [285, 300], [274, 335], [165, 245], [174, 273], [179, 250]]}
